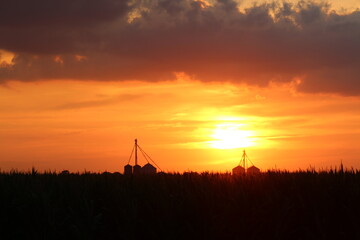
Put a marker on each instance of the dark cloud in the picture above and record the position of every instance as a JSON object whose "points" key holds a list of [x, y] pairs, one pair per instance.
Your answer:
{"points": [[53, 13], [150, 40], [52, 26]]}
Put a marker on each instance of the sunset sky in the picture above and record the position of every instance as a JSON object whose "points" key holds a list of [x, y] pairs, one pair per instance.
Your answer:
{"points": [[196, 82]]}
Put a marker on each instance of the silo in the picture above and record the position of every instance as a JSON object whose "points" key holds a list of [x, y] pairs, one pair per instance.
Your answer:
{"points": [[128, 169], [253, 170], [137, 169], [148, 169], [239, 170]]}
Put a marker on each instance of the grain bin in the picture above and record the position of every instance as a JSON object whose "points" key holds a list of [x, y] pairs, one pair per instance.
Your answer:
{"points": [[238, 170], [137, 169], [253, 170], [148, 169], [128, 169]]}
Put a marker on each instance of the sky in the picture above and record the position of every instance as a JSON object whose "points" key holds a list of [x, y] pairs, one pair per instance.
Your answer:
{"points": [[196, 82]]}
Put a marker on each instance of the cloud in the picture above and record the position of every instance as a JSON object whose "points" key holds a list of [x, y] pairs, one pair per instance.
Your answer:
{"points": [[98, 102], [150, 40], [50, 26]]}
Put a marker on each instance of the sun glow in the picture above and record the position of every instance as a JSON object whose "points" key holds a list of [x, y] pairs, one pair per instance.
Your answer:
{"points": [[230, 135]]}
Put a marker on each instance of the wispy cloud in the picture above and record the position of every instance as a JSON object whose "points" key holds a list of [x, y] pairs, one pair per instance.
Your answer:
{"points": [[97, 103]]}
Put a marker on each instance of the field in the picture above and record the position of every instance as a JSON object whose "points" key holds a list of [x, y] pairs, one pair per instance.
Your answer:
{"points": [[272, 205]]}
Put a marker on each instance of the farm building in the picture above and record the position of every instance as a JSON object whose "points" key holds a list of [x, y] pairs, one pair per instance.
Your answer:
{"points": [[148, 169], [137, 169], [128, 169], [253, 170], [238, 170], [241, 168]]}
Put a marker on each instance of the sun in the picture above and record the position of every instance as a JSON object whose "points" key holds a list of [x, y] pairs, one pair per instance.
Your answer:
{"points": [[230, 136]]}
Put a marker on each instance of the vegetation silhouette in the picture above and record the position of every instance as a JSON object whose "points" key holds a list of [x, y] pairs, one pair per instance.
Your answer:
{"points": [[273, 205]]}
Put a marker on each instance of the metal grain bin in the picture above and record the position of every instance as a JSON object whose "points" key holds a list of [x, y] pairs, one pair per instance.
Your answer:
{"points": [[239, 170], [148, 169], [128, 169]]}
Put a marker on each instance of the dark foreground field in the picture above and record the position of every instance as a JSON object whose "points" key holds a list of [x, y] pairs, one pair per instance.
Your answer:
{"points": [[273, 205]]}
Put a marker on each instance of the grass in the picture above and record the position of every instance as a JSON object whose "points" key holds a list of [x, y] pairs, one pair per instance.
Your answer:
{"points": [[274, 205]]}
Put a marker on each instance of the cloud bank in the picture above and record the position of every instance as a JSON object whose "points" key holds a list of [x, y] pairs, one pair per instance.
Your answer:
{"points": [[150, 40]]}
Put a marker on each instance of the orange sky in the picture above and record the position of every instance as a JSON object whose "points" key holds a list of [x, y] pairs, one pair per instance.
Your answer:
{"points": [[196, 82], [79, 125]]}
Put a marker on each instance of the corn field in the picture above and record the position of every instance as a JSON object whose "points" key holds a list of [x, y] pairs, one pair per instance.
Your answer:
{"points": [[273, 205]]}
